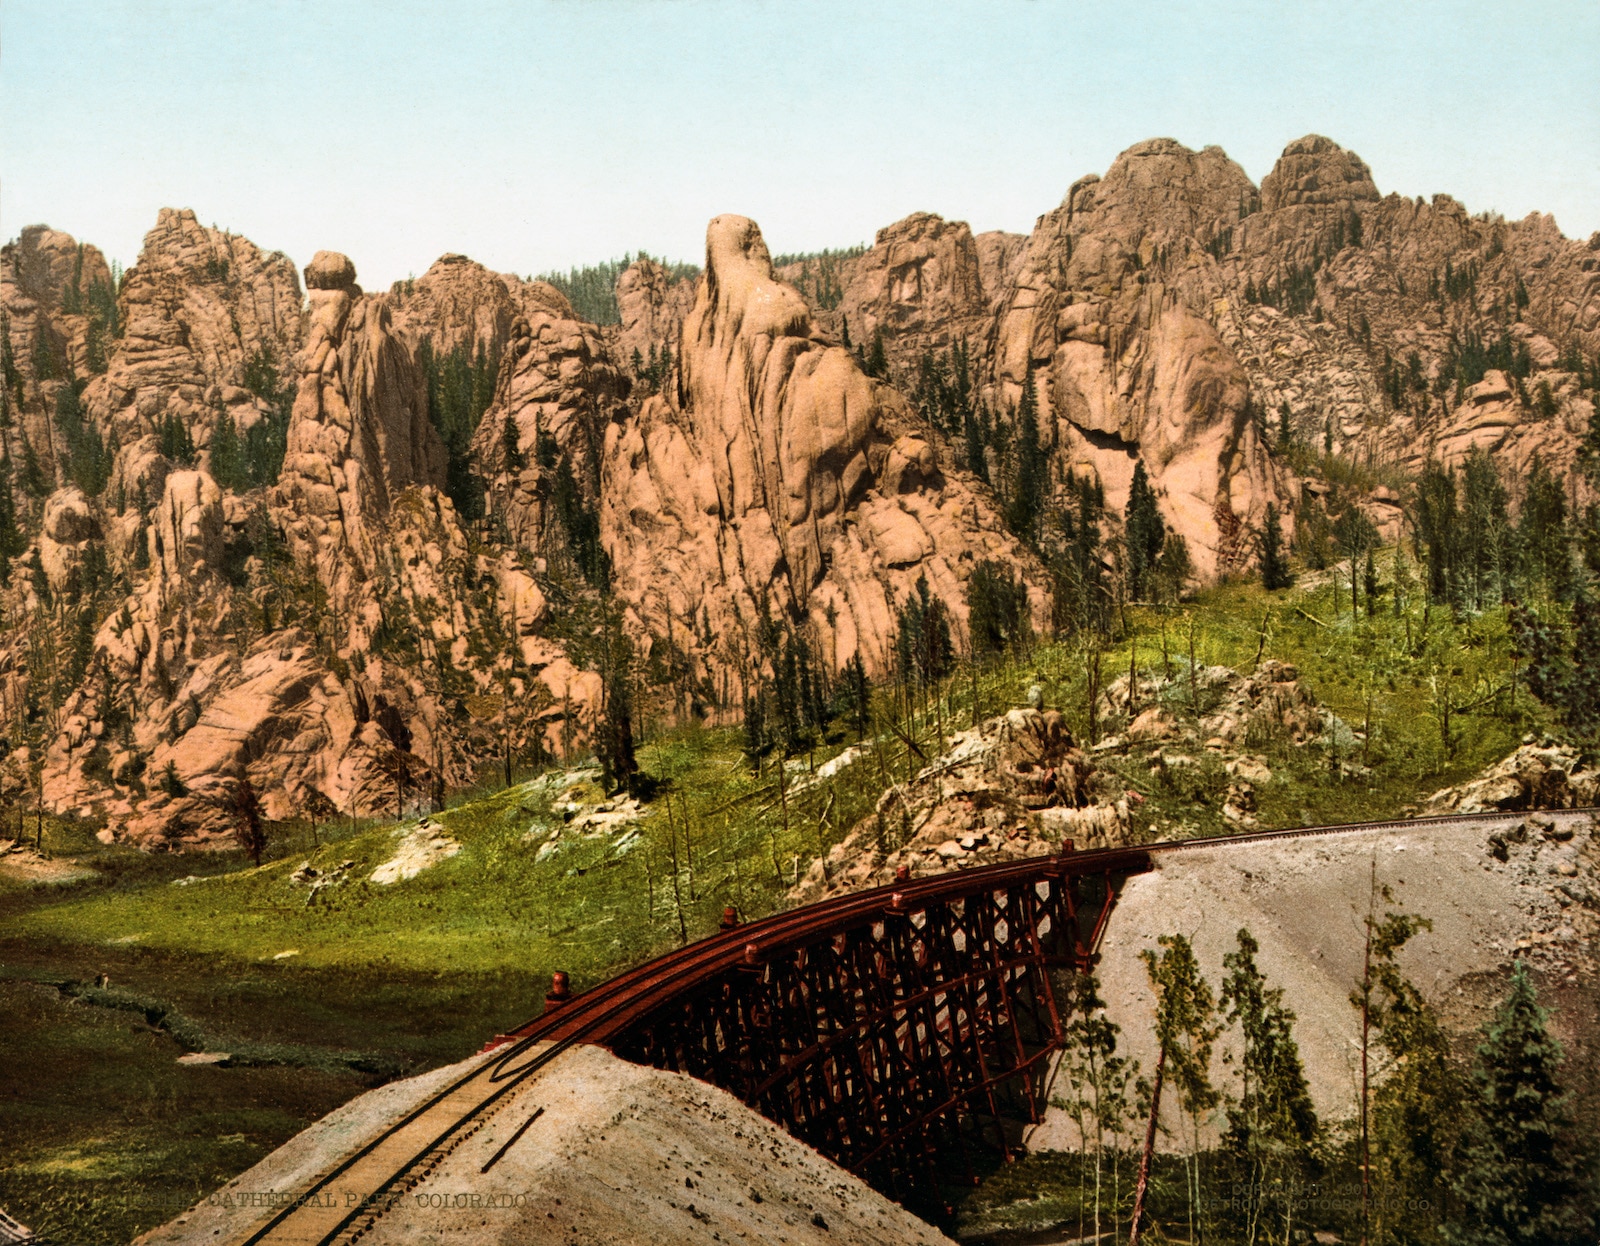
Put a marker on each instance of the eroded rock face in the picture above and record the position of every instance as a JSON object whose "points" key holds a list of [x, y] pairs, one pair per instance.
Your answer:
{"points": [[557, 382], [779, 478], [457, 304], [1169, 311], [345, 615], [922, 283], [1316, 170], [653, 308], [359, 434], [1378, 280], [203, 312], [1125, 366], [68, 528]]}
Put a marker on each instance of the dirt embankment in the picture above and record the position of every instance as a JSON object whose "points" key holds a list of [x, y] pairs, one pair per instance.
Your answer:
{"points": [[593, 1151], [1528, 887]]}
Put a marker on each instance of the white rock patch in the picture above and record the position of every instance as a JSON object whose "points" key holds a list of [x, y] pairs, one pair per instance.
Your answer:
{"points": [[423, 846]]}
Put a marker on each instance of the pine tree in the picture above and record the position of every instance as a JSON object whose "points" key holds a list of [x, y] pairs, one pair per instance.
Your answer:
{"points": [[511, 444], [1272, 1126], [171, 783], [1174, 569], [1101, 1078], [877, 361], [1540, 648], [1521, 1171], [973, 430], [10, 374], [614, 739], [1186, 1029], [1414, 1114], [1589, 448], [1031, 475], [1275, 572], [1487, 538], [757, 743], [1542, 534], [12, 540], [1580, 701], [923, 642], [173, 441], [245, 808], [1079, 598], [856, 695], [1144, 532], [1439, 532], [997, 608], [228, 466]]}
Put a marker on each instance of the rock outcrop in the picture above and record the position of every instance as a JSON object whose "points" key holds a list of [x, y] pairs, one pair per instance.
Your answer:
{"points": [[1535, 776], [209, 325], [780, 480], [653, 308], [1017, 785], [922, 284], [1172, 313], [271, 638]]}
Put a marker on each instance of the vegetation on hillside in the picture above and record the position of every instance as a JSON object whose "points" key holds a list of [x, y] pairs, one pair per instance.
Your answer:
{"points": [[820, 274], [592, 289]]}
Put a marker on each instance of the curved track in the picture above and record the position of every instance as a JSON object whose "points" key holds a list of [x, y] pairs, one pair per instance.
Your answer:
{"points": [[403, 1154]]}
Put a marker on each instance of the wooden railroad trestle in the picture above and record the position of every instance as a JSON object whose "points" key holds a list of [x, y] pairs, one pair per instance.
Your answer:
{"points": [[906, 1038]]}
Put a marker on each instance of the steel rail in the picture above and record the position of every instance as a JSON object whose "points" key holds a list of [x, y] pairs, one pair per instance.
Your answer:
{"points": [[603, 1012]]}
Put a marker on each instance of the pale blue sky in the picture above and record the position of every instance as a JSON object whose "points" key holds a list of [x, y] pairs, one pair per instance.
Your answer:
{"points": [[538, 135]]}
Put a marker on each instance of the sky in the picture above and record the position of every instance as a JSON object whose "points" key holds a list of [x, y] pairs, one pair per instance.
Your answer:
{"points": [[538, 135]]}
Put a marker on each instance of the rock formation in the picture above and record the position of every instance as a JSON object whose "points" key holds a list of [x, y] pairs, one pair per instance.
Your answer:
{"points": [[778, 480], [1171, 312], [922, 284], [1535, 776], [336, 543], [312, 635]]}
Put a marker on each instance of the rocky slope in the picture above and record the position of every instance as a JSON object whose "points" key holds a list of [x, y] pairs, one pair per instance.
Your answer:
{"points": [[260, 587], [350, 547], [1525, 889]]}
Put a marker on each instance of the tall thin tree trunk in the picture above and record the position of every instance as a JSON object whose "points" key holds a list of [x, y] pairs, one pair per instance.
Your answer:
{"points": [[688, 843], [1099, 1143], [783, 790], [677, 895], [1366, 1028], [1143, 1185], [974, 668], [649, 885], [1194, 680]]}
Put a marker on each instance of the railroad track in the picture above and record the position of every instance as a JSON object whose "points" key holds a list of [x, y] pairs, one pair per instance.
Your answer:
{"points": [[404, 1154]]}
